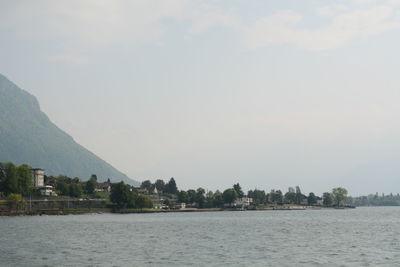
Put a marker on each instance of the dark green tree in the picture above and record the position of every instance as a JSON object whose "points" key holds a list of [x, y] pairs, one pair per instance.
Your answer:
{"points": [[258, 196], [276, 196], [146, 185], [299, 195], [94, 177], [11, 179], [2, 177], [290, 198], [24, 175], [142, 201], [160, 185], [327, 199], [75, 190], [121, 195], [192, 196], [200, 198], [209, 199], [167, 202], [171, 187], [183, 197], [229, 196], [311, 199], [218, 200], [238, 190], [90, 186], [62, 185]]}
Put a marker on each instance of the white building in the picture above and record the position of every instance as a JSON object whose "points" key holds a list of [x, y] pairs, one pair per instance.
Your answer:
{"points": [[47, 190], [243, 202], [38, 177], [180, 205]]}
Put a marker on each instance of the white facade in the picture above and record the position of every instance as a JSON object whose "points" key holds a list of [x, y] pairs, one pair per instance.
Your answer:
{"points": [[38, 177], [47, 190], [244, 201], [180, 205]]}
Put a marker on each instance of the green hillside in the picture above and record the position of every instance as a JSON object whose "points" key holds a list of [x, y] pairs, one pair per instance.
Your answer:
{"points": [[28, 136]]}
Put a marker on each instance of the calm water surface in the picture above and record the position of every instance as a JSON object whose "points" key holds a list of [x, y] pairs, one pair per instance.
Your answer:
{"points": [[360, 237]]}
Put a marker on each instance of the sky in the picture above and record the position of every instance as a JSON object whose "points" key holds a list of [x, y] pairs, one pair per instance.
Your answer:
{"points": [[269, 94]]}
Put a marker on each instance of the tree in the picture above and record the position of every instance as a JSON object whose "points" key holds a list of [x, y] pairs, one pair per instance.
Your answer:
{"points": [[200, 198], [91, 185], [258, 196], [171, 187], [192, 195], [146, 185], [160, 185], [75, 190], [238, 190], [311, 199], [142, 201], [2, 177], [339, 195], [183, 197], [276, 196], [121, 195], [229, 196], [209, 199], [290, 197], [62, 185], [167, 202], [218, 199], [327, 199], [24, 176], [11, 179], [299, 195]]}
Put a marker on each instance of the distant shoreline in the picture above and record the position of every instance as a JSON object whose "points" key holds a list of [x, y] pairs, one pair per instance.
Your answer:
{"points": [[50, 212]]}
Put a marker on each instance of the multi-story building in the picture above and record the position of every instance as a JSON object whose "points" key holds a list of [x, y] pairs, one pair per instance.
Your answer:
{"points": [[38, 177]]}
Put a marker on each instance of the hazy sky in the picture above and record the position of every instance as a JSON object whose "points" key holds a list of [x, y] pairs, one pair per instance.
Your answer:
{"points": [[269, 94]]}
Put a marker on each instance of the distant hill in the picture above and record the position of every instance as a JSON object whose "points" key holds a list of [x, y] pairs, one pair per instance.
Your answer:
{"points": [[28, 136]]}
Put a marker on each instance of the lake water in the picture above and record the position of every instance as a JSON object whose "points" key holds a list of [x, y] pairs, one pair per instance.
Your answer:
{"points": [[355, 237]]}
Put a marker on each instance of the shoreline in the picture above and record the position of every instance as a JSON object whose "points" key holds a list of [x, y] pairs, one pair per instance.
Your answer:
{"points": [[51, 212]]}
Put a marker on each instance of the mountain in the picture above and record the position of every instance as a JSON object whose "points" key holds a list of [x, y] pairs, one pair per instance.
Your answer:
{"points": [[28, 136]]}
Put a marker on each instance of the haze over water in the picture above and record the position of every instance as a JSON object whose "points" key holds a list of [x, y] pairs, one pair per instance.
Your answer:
{"points": [[354, 237]]}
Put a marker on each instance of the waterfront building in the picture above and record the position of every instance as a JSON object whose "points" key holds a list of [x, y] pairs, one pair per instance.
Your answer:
{"points": [[47, 190], [243, 202], [38, 177], [103, 187], [180, 206]]}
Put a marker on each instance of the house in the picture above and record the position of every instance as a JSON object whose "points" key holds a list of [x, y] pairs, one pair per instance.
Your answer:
{"points": [[320, 201], [47, 190], [160, 206], [38, 177], [50, 180], [243, 202], [103, 187], [180, 205]]}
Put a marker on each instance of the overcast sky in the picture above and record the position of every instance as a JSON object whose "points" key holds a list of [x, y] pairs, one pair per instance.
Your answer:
{"points": [[269, 94]]}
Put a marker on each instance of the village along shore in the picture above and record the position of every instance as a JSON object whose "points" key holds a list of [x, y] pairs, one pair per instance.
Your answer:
{"points": [[29, 191]]}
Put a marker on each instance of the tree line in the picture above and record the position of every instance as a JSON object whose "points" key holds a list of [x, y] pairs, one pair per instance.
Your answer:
{"points": [[18, 180], [208, 199], [126, 196], [375, 200], [15, 179]]}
